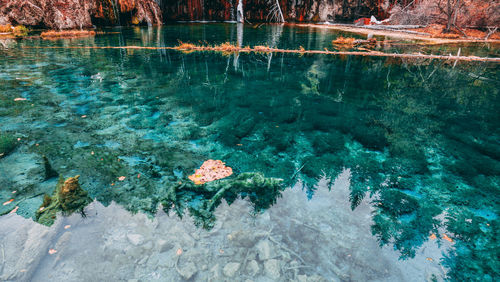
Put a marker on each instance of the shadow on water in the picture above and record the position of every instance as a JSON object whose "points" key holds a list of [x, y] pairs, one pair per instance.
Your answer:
{"points": [[420, 137]]}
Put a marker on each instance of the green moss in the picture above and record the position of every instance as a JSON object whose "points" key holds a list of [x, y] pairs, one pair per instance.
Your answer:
{"points": [[68, 198], [7, 144], [202, 200], [20, 31]]}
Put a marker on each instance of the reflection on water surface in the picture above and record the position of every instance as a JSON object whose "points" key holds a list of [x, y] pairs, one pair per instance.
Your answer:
{"points": [[418, 141]]}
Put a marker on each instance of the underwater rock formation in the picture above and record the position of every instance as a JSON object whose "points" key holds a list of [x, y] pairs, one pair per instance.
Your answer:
{"points": [[56, 14], [68, 197]]}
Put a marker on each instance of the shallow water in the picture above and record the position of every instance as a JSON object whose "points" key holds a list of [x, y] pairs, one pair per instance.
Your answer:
{"points": [[389, 168]]}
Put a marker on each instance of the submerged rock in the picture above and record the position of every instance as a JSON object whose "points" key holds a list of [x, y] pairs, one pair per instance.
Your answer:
{"points": [[68, 197], [231, 268], [272, 268]]}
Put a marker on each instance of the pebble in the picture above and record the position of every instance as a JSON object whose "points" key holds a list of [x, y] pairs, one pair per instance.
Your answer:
{"points": [[135, 239], [231, 268], [188, 270], [252, 268], [272, 268], [265, 250]]}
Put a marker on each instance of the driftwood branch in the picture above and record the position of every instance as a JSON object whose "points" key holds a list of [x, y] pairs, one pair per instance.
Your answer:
{"points": [[490, 32]]}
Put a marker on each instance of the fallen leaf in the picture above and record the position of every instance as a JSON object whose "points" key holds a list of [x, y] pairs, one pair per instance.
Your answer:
{"points": [[179, 252], [429, 259], [433, 236], [67, 226], [14, 210], [52, 251], [447, 238], [20, 99], [8, 202], [210, 170], [121, 178]]}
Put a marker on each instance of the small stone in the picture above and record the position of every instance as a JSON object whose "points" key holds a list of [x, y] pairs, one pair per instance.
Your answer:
{"points": [[135, 239], [302, 278], [148, 245], [231, 268], [252, 268], [265, 250], [164, 245], [272, 268], [188, 270]]}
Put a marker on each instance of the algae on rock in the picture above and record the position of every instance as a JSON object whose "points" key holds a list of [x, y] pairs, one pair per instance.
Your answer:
{"points": [[68, 198], [201, 200], [7, 144]]}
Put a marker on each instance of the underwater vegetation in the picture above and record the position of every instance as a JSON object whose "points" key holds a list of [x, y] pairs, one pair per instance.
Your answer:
{"points": [[7, 144], [419, 137]]}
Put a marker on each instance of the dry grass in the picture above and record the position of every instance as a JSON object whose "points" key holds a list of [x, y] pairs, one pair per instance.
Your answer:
{"points": [[67, 33], [5, 28]]}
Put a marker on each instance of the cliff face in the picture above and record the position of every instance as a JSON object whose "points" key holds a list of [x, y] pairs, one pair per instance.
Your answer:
{"points": [[70, 14], [264, 10]]}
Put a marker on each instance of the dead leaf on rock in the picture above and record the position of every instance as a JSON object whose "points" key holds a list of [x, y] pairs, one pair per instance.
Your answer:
{"points": [[447, 238], [8, 202]]}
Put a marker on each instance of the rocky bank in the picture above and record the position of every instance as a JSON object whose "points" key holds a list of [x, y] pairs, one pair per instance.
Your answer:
{"points": [[72, 14]]}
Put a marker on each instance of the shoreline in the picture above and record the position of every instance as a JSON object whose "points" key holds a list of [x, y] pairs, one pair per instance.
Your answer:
{"points": [[396, 34]]}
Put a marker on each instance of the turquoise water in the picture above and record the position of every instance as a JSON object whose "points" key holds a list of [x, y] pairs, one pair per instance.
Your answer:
{"points": [[418, 139]]}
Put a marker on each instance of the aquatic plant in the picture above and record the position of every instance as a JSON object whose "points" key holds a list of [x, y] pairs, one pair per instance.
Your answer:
{"points": [[6, 28], [201, 200], [66, 33], [68, 198], [7, 144], [20, 31]]}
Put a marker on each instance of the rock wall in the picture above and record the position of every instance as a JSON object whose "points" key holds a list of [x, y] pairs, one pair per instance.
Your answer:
{"points": [[260, 10], [70, 14]]}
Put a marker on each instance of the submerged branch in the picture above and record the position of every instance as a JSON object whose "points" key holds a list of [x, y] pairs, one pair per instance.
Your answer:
{"points": [[227, 48]]}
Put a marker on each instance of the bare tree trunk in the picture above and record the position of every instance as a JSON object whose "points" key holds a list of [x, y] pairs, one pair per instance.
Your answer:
{"points": [[279, 9], [239, 12], [455, 12], [449, 12]]}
